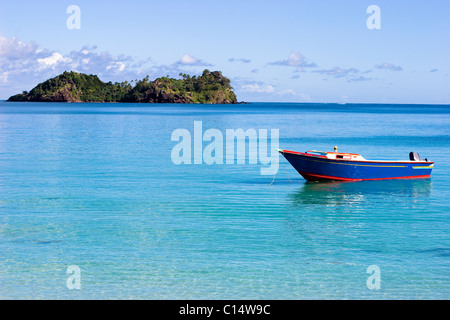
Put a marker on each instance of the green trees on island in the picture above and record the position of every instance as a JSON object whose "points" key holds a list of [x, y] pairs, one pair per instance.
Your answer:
{"points": [[210, 87]]}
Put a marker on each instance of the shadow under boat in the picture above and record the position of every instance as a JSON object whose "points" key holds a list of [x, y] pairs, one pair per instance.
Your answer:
{"points": [[348, 193]]}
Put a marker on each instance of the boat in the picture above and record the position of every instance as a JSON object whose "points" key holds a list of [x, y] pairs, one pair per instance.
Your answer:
{"points": [[321, 165]]}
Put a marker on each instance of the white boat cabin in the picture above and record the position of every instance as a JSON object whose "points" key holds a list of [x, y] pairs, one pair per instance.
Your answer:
{"points": [[338, 155]]}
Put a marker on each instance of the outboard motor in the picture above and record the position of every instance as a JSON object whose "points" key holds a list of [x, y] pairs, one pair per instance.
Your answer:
{"points": [[414, 156]]}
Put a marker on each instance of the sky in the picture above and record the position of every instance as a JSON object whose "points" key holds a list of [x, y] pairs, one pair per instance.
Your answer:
{"points": [[275, 51]]}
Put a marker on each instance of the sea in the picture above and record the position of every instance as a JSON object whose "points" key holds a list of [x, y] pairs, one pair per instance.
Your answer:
{"points": [[93, 205]]}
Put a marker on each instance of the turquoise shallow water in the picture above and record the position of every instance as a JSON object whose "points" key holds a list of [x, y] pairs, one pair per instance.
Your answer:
{"points": [[93, 185]]}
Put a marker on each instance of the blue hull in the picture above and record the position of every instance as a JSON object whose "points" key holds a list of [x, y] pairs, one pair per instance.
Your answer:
{"points": [[314, 168]]}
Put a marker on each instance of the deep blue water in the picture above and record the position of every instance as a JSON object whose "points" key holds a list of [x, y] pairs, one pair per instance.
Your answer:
{"points": [[94, 185]]}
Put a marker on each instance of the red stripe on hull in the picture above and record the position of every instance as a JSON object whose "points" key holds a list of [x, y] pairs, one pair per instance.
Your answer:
{"points": [[318, 177]]}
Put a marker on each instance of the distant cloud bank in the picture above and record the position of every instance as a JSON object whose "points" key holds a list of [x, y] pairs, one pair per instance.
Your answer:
{"points": [[388, 66], [243, 60], [24, 64]]}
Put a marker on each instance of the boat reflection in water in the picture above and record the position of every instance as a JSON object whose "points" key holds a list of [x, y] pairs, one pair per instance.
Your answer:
{"points": [[335, 193]]}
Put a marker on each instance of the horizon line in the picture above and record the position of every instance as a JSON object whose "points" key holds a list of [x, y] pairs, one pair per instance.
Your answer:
{"points": [[256, 102]]}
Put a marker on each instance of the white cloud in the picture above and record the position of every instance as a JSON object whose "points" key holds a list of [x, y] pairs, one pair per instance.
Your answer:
{"points": [[338, 72], [359, 79], [4, 77], [255, 87], [243, 60], [287, 92], [295, 59], [290, 92], [52, 60], [189, 60], [118, 66], [389, 66], [24, 65], [14, 49]]}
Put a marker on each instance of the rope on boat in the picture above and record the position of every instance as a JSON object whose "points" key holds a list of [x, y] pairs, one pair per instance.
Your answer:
{"points": [[273, 178], [287, 173]]}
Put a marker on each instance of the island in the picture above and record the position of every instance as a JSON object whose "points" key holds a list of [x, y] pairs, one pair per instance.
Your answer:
{"points": [[209, 88]]}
